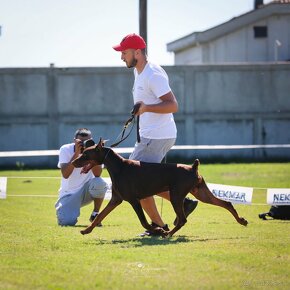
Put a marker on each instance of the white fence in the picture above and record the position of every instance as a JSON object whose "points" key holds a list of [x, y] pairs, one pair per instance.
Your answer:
{"points": [[130, 149], [234, 194]]}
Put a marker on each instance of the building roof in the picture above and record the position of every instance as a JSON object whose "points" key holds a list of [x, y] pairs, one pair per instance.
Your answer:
{"points": [[196, 38]]}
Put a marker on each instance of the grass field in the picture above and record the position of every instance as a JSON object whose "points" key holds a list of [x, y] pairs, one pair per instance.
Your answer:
{"points": [[211, 251]]}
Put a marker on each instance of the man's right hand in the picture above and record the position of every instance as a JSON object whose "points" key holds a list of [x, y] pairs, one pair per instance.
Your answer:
{"points": [[79, 146]]}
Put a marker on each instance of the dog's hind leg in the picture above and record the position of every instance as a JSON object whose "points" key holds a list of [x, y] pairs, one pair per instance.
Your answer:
{"points": [[203, 194]]}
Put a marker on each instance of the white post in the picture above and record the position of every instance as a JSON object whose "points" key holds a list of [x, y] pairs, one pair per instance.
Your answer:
{"points": [[3, 187]]}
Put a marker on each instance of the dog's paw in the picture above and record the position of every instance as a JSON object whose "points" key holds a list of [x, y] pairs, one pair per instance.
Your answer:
{"points": [[243, 222], [86, 231]]}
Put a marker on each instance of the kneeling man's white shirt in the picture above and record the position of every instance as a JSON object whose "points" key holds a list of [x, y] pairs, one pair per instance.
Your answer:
{"points": [[76, 180]]}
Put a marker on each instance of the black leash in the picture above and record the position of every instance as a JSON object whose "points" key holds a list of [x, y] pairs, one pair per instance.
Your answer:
{"points": [[138, 134], [127, 123]]}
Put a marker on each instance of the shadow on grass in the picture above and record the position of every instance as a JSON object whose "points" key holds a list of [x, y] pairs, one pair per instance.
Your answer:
{"points": [[276, 221], [150, 241], [156, 241], [85, 226], [140, 241]]}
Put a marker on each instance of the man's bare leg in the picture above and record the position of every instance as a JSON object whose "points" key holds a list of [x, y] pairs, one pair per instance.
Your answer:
{"points": [[149, 205]]}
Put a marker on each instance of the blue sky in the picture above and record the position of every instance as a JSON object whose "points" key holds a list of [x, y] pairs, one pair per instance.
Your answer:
{"points": [[77, 33]]}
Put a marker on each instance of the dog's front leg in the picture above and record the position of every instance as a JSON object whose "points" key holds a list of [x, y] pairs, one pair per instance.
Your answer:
{"points": [[113, 203]]}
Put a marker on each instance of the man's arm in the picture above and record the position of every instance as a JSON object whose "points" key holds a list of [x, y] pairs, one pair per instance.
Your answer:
{"points": [[67, 168], [168, 105]]}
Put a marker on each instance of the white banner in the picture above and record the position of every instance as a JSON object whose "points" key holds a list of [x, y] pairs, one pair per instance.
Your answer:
{"points": [[3, 187], [233, 194], [278, 196]]}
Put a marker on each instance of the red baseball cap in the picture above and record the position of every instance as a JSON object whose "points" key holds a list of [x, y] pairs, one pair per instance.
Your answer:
{"points": [[131, 41]]}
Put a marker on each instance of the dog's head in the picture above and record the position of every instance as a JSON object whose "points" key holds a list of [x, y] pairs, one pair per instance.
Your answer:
{"points": [[93, 154]]}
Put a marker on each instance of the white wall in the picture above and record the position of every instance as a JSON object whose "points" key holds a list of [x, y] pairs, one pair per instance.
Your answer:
{"points": [[242, 46], [189, 56], [218, 104]]}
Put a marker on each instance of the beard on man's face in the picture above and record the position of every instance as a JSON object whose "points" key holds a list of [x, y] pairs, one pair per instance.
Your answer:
{"points": [[132, 63]]}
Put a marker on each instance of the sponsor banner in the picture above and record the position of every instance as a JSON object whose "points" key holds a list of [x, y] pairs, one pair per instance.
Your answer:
{"points": [[278, 196], [233, 194], [3, 187]]}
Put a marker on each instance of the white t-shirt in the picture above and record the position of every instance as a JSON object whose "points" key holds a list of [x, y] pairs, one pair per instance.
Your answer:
{"points": [[76, 180], [151, 84]]}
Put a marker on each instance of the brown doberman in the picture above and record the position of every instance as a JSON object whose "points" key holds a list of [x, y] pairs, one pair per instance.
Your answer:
{"points": [[135, 180]]}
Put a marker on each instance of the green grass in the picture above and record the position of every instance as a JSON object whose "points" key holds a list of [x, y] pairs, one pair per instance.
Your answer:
{"points": [[211, 251]]}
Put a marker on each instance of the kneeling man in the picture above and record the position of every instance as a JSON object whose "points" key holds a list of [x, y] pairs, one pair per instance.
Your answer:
{"points": [[78, 189]]}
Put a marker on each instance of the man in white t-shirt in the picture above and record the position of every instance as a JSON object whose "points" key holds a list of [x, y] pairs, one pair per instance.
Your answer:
{"points": [[77, 188], [157, 126]]}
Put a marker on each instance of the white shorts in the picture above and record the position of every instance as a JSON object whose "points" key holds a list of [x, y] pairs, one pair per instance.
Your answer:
{"points": [[68, 206]]}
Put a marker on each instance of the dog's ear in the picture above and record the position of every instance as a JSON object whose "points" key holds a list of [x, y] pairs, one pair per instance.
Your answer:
{"points": [[100, 144]]}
